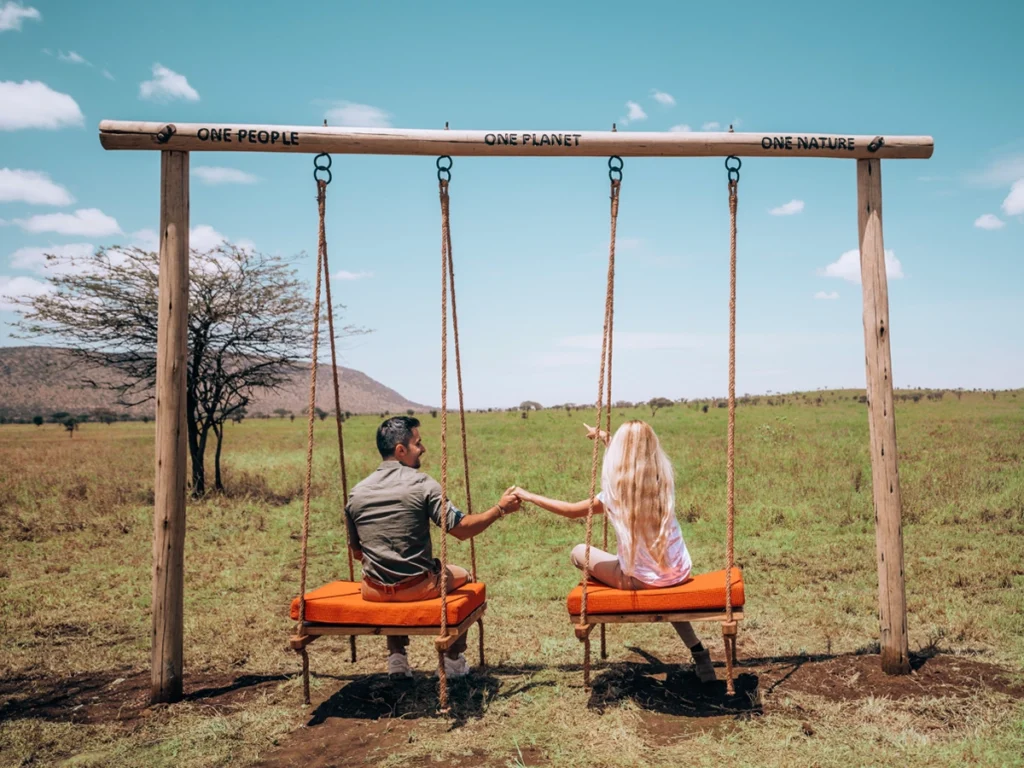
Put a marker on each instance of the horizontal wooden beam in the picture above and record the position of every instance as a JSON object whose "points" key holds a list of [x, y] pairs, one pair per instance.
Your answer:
{"points": [[454, 630], [233, 137], [647, 618]]}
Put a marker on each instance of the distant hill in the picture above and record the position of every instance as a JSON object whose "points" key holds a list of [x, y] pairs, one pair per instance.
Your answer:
{"points": [[41, 381]]}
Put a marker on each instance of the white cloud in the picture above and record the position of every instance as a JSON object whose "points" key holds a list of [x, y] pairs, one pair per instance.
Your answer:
{"points": [[663, 98], [106, 74], [348, 113], [344, 275], [146, 239], [14, 287], [989, 221], [205, 238], [790, 208], [32, 187], [72, 58], [166, 85], [32, 104], [712, 126], [827, 296], [681, 128], [13, 14], [1013, 205], [636, 340], [54, 259], [634, 113], [86, 222], [217, 175], [847, 267], [999, 173]]}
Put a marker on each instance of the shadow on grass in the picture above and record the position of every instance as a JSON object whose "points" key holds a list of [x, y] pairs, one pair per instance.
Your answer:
{"points": [[374, 697], [671, 689]]}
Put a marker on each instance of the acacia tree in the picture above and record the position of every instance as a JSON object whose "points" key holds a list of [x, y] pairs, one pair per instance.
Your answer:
{"points": [[248, 318]]}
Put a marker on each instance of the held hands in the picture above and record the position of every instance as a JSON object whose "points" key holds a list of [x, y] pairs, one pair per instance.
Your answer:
{"points": [[593, 432], [510, 502]]}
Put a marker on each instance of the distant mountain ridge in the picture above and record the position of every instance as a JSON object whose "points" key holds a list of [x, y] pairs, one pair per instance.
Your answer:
{"points": [[43, 380]]}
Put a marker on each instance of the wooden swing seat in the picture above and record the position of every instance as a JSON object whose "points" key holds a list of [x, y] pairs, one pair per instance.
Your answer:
{"points": [[338, 608], [701, 598]]}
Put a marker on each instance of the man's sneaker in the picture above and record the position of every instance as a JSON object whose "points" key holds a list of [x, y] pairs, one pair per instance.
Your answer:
{"points": [[454, 668], [702, 665], [398, 665]]}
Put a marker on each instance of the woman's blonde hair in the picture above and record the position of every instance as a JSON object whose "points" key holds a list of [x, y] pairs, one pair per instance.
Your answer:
{"points": [[637, 479]]}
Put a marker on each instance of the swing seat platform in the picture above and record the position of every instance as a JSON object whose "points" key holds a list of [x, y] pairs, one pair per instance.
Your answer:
{"points": [[338, 608], [701, 598]]}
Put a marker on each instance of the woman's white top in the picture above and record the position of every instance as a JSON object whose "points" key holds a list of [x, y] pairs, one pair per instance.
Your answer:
{"points": [[645, 568]]}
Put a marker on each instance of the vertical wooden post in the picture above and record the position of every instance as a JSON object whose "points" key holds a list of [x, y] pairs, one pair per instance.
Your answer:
{"points": [[892, 601], [169, 508]]}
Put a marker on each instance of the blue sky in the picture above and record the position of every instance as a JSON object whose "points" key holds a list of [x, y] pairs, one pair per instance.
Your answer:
{"points": [[530, 234]]}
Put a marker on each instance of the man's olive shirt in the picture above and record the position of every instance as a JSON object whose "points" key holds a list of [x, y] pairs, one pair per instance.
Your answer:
{"points": [[388, 517]]}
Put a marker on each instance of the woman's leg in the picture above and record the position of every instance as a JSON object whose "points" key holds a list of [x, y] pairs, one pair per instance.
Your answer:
{"points": [[701, 655], [604, 567], [685, 631]]}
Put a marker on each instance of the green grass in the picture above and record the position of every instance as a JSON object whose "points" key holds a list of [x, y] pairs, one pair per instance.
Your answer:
{"points": [[76, 525]]}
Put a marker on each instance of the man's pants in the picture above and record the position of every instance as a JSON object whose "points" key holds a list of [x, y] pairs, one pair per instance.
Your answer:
{"points": [[428, 589]]}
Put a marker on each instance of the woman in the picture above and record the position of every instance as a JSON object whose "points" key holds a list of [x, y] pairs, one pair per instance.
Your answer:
{"points": [[638, 495]]}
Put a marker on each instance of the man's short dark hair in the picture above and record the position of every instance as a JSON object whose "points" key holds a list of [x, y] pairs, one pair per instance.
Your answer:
{"points": [[394, 432]]}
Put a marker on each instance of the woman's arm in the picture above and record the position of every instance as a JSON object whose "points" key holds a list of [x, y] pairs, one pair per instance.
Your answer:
{"points": [[569, 509]]}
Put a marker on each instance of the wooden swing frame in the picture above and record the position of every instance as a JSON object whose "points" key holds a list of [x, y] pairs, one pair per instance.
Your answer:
{"points": [[175, 141]]}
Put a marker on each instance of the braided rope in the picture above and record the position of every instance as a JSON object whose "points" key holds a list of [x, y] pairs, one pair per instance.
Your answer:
{"points": [[605, 338], [442, 677], [730, 470], [462, 423], [610, 309], [338, 419], [308, 484], [462, 407]]}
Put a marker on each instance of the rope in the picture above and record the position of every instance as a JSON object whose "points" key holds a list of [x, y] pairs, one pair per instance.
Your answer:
{"points": [[730, 470], [605, 342], [337, 411], [610, 309], [462, 408], [308, 485], [442, 677], [462, 423]]}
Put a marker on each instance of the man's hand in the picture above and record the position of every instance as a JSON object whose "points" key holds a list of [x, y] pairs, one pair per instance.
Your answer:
{"points": [[509, 501]]}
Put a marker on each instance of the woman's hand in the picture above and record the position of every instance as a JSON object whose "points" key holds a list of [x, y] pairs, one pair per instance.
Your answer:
{"points": [[521, 493], [593, 432]]}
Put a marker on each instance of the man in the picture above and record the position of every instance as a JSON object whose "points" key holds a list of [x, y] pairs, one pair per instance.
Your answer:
{"points": [[388, 516]]}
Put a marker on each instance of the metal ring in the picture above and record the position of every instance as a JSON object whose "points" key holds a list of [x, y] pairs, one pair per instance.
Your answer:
{"points": [[444, 168], [316, 172], [734, 170], [877, 144], [319, 167], [615, 166]]}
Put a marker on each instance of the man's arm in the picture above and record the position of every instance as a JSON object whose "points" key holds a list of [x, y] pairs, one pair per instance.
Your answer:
{"points": [[353, 538]]}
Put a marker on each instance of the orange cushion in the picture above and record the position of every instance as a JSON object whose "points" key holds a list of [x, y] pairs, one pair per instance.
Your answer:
{"points": [[341, 603], [703, 592]]}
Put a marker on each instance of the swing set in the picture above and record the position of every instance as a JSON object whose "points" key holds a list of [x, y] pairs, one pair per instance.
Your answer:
{"points": [[337, 608]]}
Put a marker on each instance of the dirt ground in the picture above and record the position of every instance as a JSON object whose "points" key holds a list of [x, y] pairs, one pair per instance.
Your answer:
{"points": [[365, 718]]}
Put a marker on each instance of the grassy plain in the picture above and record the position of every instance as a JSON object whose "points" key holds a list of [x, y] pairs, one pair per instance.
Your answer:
{"points": [[75, 532]]}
